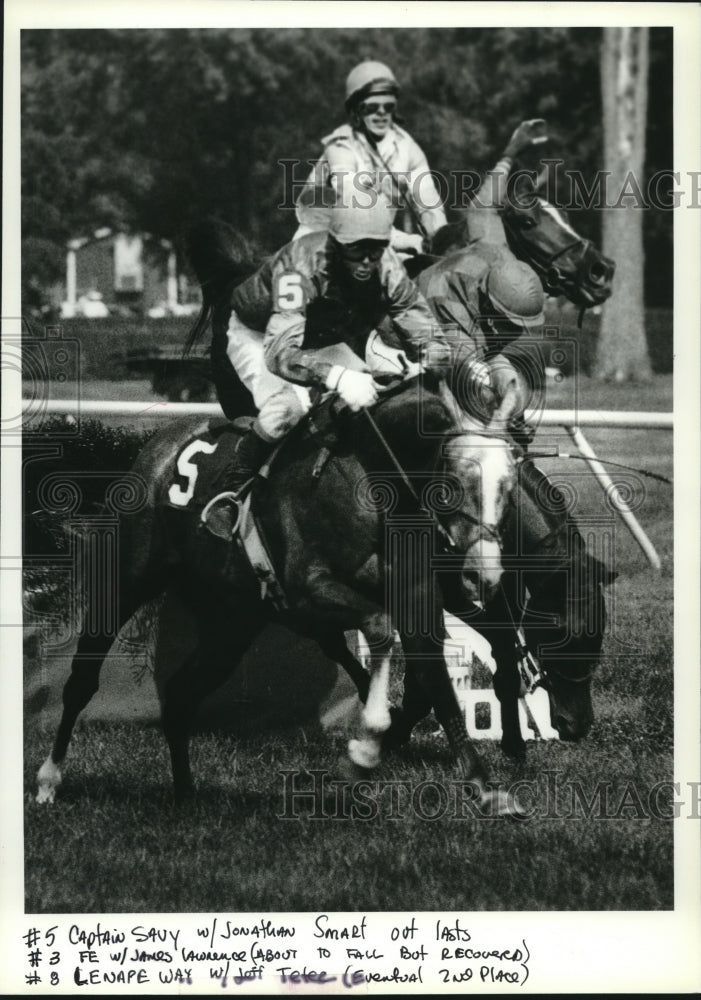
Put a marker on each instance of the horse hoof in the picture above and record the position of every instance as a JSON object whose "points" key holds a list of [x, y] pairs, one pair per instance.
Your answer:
{"points": [[48, 780], [350, 772], [500, 803], [399, 732], [364, 753], [46, 794], [183, 797], [516, 751]]}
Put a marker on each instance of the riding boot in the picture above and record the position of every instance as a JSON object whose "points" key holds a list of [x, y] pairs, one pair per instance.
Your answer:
{"points": [[221, 515]]}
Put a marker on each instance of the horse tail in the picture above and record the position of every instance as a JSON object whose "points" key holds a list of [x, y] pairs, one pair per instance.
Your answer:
{"points": [[221, 258]]}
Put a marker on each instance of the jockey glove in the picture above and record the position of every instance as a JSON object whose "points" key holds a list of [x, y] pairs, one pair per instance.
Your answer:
{"points": [[528, 133], [356, 389], [505, 381]]}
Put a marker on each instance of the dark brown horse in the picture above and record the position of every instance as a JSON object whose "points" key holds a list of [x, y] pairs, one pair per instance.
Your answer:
{"points": [[555, 587], [552, 589], [540, 234], [336, 516]]}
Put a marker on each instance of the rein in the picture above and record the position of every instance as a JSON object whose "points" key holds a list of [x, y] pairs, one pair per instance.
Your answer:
{"points": [[604, 461], [528, 667], [445, 535]]}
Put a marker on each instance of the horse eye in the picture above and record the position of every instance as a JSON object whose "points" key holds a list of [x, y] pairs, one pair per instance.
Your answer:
{"points": [[527, 223]]}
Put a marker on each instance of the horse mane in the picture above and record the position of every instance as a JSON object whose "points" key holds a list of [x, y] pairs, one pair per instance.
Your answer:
{"points": [[451, 236], [411, 417], [221, 258]]}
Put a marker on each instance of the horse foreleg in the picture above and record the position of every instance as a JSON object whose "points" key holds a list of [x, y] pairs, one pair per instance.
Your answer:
{"points": [[416, 705], [82, 684], [430, 672], [365, 752], [335, 647]]}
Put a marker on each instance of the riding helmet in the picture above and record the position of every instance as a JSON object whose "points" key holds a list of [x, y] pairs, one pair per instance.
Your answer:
{"points": [[514, 289], [350, 223], [367, 78]]}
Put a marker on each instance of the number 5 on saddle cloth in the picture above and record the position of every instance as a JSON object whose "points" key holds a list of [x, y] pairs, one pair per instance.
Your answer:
{"points": [[199, 467]]}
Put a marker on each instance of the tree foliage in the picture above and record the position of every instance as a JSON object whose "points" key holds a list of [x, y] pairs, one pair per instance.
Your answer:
{"points": [[154, 128]]}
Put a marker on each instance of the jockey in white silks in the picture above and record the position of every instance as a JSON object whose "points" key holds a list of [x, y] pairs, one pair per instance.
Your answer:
{"points": [[289, 318], [372, 153]]}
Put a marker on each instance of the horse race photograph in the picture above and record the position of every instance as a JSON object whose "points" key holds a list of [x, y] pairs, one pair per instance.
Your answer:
{"points": [[350, 498]]}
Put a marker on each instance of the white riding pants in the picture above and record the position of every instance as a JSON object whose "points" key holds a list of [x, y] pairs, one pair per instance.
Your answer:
{"points": [[280, 404]]}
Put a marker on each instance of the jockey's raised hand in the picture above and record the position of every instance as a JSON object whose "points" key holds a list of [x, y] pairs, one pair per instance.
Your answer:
{"points": [[529, 133], [356, 389]]}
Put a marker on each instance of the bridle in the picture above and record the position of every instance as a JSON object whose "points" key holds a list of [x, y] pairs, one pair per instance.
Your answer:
{"points": [[486, 532], [588, 274]]}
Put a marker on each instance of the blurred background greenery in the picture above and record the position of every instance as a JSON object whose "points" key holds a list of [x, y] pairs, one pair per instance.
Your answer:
{"points": [[149, 130]]}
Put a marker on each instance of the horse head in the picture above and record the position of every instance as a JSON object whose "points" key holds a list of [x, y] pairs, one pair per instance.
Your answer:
{"points": [[464, 473], [569, 647], [567, 264], [481, 464]]}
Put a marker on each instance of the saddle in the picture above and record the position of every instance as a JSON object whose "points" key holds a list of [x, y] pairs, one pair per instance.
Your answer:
{"points": [[198, 468]]}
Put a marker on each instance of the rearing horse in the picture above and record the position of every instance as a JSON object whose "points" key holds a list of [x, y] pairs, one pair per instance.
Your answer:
{"points": [[539, 234], [332, 528]]}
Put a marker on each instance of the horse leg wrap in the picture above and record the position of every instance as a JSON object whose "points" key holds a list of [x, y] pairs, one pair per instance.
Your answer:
{"points": [[365, 753], [48, 780]]}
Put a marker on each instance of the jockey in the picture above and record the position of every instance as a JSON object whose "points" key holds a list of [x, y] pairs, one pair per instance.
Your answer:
{"points": [[493, 302], [373, 151], [291, 320]]}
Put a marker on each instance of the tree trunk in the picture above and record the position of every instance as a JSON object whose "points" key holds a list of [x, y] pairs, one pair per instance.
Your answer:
{"points": [[622, 351]]}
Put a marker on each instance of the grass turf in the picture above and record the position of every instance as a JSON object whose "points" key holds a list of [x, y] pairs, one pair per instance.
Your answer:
{"points": [[113, 842]]}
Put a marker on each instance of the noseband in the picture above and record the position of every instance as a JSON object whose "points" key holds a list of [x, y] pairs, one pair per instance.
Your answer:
{"points": [[486, 532], [569, 270]]}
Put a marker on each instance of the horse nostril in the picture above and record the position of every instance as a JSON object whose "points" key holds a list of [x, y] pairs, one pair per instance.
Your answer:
{"points": [[471, 585], [598, 273], [552, 278]]}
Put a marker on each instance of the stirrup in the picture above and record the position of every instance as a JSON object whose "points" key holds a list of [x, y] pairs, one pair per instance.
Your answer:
{"points": [[234, 498]]}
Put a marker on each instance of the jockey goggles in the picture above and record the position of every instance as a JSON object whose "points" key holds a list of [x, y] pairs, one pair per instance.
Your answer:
{"points": [[357, 252], [376, 107]]}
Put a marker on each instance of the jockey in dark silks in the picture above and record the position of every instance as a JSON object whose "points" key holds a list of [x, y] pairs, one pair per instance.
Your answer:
{"points": [[289, 318], [491, 308], [494, 304]]}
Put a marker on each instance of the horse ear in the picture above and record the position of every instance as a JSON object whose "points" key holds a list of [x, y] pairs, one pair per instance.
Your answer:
{"points": [[541, 180]]}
